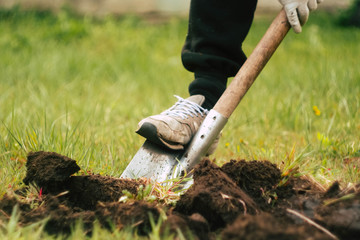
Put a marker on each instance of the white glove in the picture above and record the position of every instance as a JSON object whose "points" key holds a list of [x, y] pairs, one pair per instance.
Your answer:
{"points": [[297, 11]]}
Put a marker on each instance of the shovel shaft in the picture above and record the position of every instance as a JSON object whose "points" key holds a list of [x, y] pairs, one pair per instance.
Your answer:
{"points": [[253, 66]]}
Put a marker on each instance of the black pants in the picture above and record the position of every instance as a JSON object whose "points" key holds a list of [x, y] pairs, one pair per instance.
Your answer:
{"points": [[212, 49]]}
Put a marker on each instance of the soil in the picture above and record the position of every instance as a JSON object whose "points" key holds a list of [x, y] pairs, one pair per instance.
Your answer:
{"points": [[239, 200]]}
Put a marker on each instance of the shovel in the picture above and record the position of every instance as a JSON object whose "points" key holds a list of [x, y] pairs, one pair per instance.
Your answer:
{"points": [[160, 164]]}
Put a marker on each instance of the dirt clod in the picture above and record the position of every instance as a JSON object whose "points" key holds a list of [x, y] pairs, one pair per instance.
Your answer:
{"points": [[49, 170]]}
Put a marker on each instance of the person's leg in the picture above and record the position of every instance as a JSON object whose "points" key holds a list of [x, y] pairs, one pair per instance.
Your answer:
{"points": [[213, 46], [213, 52]]}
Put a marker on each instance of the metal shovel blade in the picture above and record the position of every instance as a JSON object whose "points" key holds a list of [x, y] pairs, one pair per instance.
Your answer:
{"points": [[152, 161]]}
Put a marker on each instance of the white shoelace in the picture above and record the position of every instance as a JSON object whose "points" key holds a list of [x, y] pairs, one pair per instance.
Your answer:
{"points": [[184, 108]]}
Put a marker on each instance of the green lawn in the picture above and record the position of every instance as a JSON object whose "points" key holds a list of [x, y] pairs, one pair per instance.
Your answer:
{"points": [[78, 87]]}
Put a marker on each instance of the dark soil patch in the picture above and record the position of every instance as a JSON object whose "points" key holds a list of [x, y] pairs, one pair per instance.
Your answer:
{"points": [[187, 224], [240, 200], [264, 226], [136, 214], [49, 170], [86, 191], [340, 213], [215, 196], [257, 178]]}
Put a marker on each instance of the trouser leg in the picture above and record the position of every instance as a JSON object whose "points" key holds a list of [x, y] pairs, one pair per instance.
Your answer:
{"points": [[213, 46]]}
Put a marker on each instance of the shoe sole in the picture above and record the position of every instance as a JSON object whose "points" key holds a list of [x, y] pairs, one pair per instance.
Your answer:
{"points": [[149, 131]]}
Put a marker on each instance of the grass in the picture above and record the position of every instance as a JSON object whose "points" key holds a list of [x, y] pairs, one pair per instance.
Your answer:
{"points": [[78, 86]]}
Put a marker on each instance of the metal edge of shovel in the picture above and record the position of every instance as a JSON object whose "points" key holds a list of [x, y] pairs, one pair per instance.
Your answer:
{"points": [[159, 164]]}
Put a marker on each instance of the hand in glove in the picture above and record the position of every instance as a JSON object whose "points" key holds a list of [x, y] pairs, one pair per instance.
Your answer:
{"points": [[297, 11]]}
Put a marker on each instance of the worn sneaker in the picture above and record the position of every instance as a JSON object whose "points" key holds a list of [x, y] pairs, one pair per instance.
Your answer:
{"points": [[175, 127]]}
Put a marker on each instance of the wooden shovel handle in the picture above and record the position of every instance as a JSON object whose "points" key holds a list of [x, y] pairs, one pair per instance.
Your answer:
{"points": [[253, 66]]}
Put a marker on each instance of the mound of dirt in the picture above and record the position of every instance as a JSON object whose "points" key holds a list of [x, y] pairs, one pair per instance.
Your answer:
{"points": [[240, 200], [66, 199], [52, 172], [215, 196], [255, 177]]}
